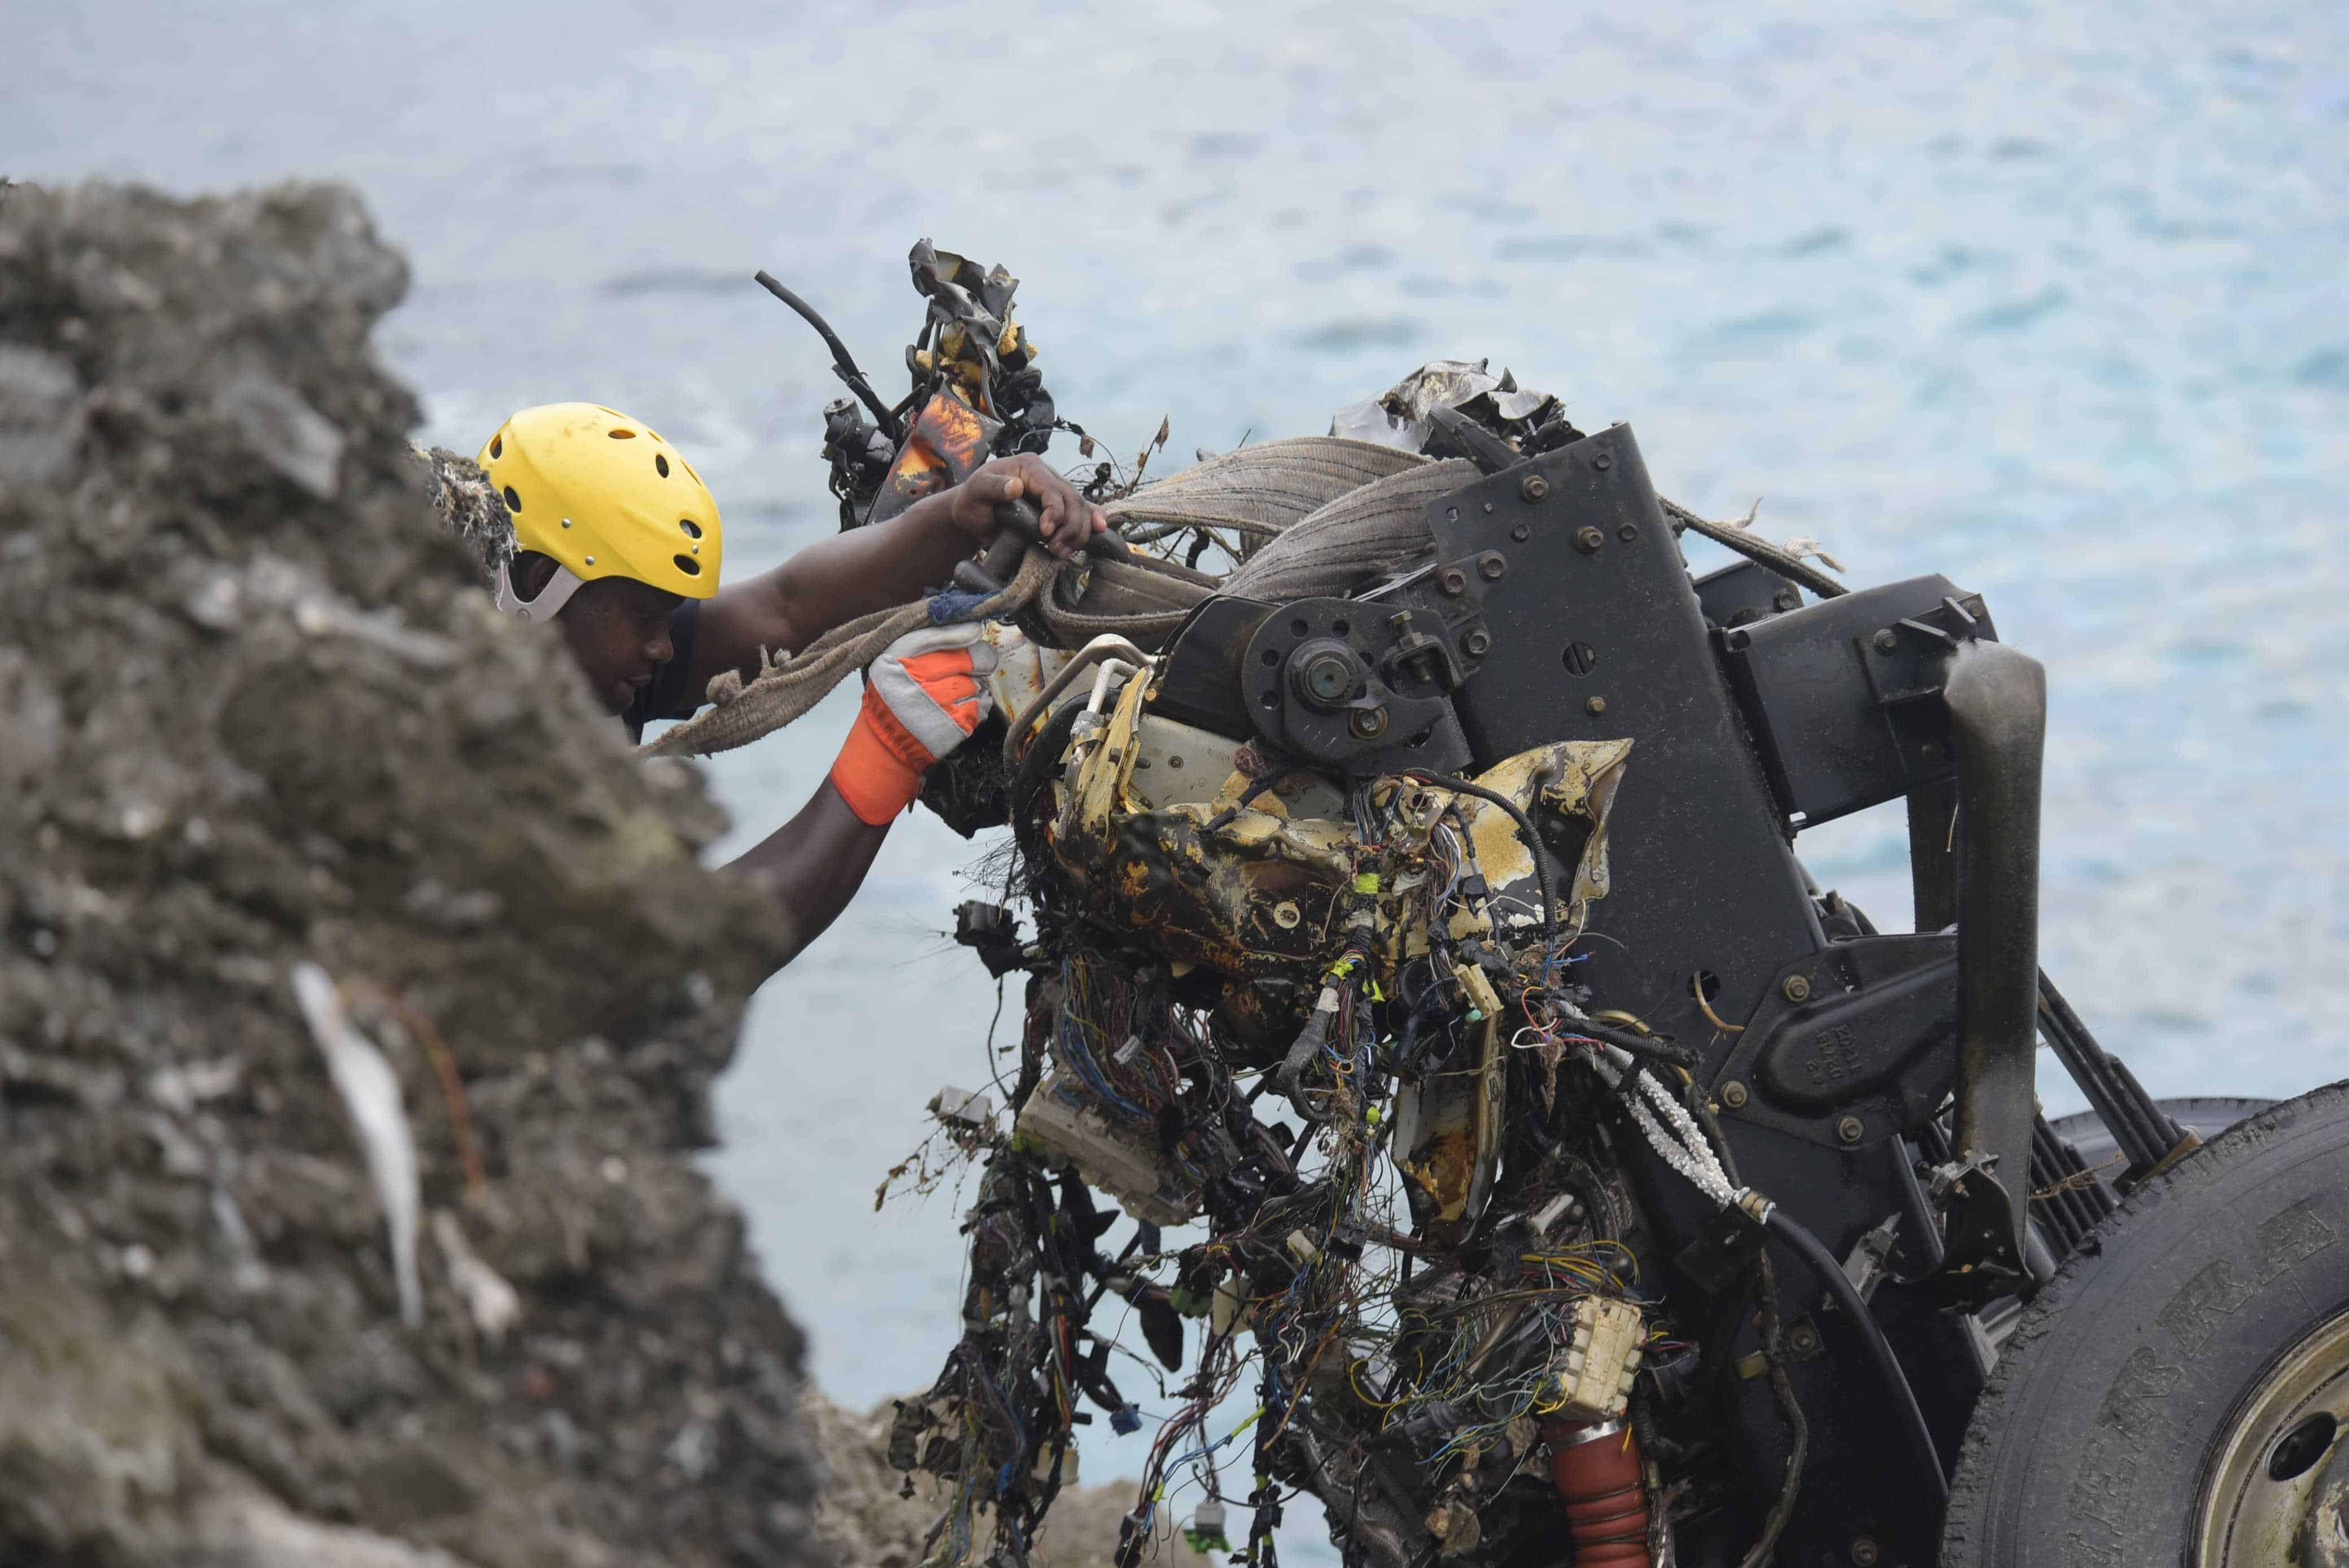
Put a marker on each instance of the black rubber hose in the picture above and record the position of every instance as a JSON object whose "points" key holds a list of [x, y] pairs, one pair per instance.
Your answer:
{"points": [[1822, 1262], [843, 363], [1526, 830]]}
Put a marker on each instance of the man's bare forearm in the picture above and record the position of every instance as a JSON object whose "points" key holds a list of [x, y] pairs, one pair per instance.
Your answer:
{"points": [[814, 863], [876, 567]]}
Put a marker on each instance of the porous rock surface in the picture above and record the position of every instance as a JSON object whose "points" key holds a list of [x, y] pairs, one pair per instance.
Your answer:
{"points": [[866, 1518], [256, 711]]}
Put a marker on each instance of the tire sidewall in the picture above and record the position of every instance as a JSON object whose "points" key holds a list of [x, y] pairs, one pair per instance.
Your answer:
{"points": [[2088, 1450]]}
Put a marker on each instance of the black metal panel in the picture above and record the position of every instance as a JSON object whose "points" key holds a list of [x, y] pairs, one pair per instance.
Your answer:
{"points": [[1825, 687], [1598, 634], [1199, 675], [1744, 591], [1854, 1044]]}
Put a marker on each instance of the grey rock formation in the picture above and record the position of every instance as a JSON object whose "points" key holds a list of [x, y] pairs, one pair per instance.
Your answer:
{"points": [[255, 712]]}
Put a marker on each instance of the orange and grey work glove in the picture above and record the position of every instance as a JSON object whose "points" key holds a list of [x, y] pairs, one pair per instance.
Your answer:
{"points": [[922, 698]]}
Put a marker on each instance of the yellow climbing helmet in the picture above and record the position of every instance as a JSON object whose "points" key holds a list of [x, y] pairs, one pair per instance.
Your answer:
{"points": [[605, 496]]}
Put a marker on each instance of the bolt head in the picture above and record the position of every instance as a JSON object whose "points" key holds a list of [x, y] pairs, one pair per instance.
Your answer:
{"points": [[1521, 533], [1851, 1130], [1797, 988], [1368, 723], [1596, 704], [1603, 461], [1533, 487], [1627, 532], [1803, 1339], [1589, 540], [1452, 581], [1328, 677], [1732, 1094], [1864, 1552], [1491, 567], [1887, 640], [1477, 644]]}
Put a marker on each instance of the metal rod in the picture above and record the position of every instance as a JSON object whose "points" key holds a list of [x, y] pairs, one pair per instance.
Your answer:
{"points": [[843, 363]]}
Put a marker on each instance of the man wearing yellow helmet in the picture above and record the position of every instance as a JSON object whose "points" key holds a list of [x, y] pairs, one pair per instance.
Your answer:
{"points": [[619, 544]]}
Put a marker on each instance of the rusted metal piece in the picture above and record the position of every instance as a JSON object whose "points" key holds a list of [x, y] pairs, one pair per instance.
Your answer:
{"points": [[949, 441]]}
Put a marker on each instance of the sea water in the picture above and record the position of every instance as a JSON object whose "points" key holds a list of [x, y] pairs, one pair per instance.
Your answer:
{"points": [[2049, 299]]}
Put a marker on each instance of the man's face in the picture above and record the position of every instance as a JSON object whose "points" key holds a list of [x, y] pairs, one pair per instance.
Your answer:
{"points": [[619, 631]]}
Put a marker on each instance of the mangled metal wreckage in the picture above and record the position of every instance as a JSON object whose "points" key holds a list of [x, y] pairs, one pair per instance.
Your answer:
{"points": [[1522, 1155]]}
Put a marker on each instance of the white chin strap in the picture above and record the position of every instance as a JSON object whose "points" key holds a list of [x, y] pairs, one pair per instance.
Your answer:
{"points": [[551, 598]]}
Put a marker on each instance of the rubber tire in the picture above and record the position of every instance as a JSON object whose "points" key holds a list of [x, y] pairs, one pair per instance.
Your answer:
{"points": [[2087, 1450]]}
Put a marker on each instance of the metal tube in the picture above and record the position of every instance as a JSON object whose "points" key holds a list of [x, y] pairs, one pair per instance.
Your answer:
{"points": [[1108, 644], [1997, 701]]}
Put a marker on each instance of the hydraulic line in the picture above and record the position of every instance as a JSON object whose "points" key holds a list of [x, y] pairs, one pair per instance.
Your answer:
{"points": [[843, 363], [1822, 1262]]}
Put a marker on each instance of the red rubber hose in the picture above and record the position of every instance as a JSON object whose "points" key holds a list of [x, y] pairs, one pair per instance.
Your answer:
{"points": [[1598, 1473]]}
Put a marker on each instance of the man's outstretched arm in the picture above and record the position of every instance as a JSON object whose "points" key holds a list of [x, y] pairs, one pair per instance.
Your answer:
{"points": [[925, 696], [879, 566], [814, 863]]}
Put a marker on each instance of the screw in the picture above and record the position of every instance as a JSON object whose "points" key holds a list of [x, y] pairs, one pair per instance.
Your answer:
{"points": [[1368, 723], [1477, 644], [1850, 1128], [1589, 540], [1596, 704], [1803, 1339], [1797, 988], [1532, 487], [1521, 533], [1887, 640], [1491, 567], [1785, 599], [1602, 461], [1732, 1095], [1452, 581], [1863, 1553]]}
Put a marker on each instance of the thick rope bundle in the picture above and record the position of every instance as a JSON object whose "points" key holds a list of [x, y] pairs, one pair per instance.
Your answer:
{"points": [[1256, 492], [744, 713], [1319, 515], [1364, 533], [1353, 507]]}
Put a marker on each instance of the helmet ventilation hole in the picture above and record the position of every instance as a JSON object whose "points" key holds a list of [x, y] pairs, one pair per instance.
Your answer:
{"points": [[498, 445], [692, 529], [688, 564], [621, 435], [661, 463], [513, 501]]}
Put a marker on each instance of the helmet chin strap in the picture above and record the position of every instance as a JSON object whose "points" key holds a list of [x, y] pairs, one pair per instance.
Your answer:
{"points": [[551, 598]]}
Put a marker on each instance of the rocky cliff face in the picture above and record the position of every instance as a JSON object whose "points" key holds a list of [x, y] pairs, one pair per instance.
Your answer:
{"points": [[256, 716]]}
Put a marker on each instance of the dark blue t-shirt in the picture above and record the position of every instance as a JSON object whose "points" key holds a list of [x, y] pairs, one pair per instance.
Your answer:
{"points": [[669, 693]]}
